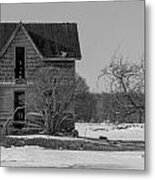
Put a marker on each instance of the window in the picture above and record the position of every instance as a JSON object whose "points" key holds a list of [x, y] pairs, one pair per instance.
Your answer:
{"points": [[20, 63]]}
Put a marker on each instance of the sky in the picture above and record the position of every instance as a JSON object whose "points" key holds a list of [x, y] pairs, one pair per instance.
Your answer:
{"points": [[102, 26]]}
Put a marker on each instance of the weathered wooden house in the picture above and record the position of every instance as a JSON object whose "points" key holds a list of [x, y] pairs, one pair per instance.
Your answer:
{"points": [[23, 48]]}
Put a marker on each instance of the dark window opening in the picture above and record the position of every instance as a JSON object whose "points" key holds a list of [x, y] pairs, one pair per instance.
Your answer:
{"points": [[20, 63], [19, 102]]}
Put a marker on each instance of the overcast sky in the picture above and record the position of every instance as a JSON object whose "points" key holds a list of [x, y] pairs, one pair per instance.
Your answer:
{"points": [[102, 26]]}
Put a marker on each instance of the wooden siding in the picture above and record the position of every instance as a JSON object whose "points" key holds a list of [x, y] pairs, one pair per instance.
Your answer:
{"points": [[7, 61], [6, 103], [68, 68]]}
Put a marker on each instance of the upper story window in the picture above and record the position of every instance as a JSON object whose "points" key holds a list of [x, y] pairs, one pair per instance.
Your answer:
{"points": [[19, 62]]}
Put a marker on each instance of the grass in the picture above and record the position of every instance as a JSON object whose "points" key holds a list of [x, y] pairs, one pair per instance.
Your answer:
{"points": [[84, 144]]}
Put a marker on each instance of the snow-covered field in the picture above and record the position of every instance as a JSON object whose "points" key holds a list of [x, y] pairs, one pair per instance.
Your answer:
{"points": [[33, 156], [111, 131]]}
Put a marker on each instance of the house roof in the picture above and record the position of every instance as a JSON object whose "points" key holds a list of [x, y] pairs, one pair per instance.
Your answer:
{"points": [[51, 39]]}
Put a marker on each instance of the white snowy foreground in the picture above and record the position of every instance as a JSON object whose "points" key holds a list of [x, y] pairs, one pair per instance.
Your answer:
{"points": [[112, 132], [34, 156]]}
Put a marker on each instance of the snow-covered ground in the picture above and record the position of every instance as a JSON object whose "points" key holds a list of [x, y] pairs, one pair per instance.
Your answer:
{"points": [[111, 131], [32, 136], [135, 132], [33, 156]]}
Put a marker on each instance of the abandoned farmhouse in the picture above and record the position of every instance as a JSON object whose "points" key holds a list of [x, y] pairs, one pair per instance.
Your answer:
{"points": [[25, 47]]}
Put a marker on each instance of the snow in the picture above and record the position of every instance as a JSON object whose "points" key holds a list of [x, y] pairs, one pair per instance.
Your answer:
{"points": [[94, 130], [34, 156], [65, 138], [111, 131]]}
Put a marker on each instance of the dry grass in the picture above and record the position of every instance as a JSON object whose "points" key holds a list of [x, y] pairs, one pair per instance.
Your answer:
{"points": [[79, 144]]}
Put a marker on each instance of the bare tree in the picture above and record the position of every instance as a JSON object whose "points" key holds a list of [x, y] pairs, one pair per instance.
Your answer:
{"points": [[53, 95], [126, 78], [80, 85], [9, 120]]}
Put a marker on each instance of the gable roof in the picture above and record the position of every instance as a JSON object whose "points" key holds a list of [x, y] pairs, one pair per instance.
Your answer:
{"points": [[51, 39]]}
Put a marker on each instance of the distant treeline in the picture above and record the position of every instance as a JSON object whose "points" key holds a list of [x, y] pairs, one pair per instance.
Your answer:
{"points": [[111, 107]]}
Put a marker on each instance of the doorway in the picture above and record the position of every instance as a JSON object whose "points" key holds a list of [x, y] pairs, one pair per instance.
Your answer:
{"points": [[19, 102]]}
